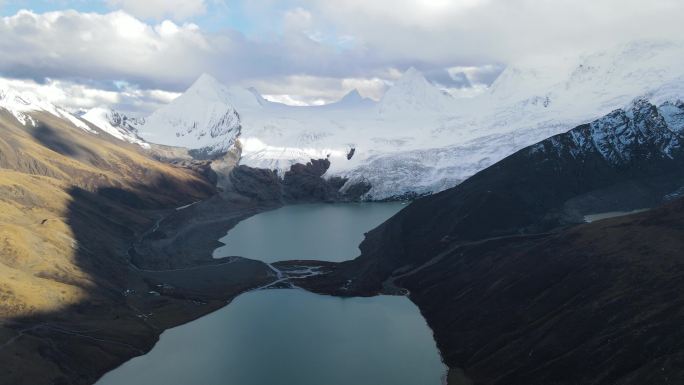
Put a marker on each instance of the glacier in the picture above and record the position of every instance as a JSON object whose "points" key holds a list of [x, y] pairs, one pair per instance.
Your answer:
{"points": [[417, 139]]}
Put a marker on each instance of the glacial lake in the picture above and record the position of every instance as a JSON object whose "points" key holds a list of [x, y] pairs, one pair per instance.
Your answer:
{"points": [[293, 337], [324, 232]]}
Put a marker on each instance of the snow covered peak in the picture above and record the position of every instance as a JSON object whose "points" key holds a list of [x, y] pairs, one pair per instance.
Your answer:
{"points": [[413, 93], [351, 100], [22, 104], [207, 87], [352, 96], [17, 105], [116, 124], [632, 66], [203, 118], [641, 131], [412, 80], [261, 101], [418, 139], [412, 74]]}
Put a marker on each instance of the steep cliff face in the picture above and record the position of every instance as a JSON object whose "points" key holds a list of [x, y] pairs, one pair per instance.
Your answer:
{"points": [[303, 183]]}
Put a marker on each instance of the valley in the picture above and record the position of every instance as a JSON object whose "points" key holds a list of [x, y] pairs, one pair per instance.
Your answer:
{"points": [[325, 339], [530, 234]]}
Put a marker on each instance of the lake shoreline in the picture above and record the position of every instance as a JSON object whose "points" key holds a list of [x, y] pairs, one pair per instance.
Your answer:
{"points": [[200, 226], [284, 320]]}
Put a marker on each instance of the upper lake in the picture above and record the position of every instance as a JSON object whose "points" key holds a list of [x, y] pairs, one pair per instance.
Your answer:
{"points": [[324, 232]]}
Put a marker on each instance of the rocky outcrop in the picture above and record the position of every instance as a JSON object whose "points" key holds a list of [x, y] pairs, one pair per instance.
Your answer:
{"points": [[303, 183], [256, 183]]}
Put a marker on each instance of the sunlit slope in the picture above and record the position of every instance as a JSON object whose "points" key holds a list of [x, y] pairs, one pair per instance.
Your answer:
{"points": [[40, 168]]}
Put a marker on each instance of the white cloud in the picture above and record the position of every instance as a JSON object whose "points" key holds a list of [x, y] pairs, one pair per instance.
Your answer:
{"points": [[293, 101], [160, 9], [449, 31], [75, 97], [318, 49], [297, 19], [101, 47], [314, 90]]}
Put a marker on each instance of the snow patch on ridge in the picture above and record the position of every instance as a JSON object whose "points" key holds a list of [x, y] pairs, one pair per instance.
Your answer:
{"points": [[115, 124], [22, 104]]}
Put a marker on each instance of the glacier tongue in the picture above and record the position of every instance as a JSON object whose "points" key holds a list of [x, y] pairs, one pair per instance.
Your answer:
{"points": [[418, 139]]}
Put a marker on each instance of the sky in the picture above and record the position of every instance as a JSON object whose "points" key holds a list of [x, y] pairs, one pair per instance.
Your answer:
{"points": [[134, 55]]}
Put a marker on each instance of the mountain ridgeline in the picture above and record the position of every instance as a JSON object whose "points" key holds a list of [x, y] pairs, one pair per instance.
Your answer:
{"points": [[515, 291], [418, 139], [629, 159]]}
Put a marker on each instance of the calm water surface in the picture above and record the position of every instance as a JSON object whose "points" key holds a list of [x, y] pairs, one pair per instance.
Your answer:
{"points": [[292, 337], [324, 232]]}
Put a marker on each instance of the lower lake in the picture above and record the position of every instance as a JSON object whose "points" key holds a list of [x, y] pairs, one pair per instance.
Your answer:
{"points": [[292, 337]]}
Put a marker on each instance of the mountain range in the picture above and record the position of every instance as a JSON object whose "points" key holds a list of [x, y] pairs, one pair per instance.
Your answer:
{"points": [[107, 222], [416, 140]]}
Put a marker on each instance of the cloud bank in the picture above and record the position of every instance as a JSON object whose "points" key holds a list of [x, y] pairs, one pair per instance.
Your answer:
{"points": [[160, 9], [313, 51]]}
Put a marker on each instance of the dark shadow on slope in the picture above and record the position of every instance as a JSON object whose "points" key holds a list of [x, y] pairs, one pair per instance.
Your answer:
{"points": [[595, 304], [539, 189], [55, 141], [126, 309]]}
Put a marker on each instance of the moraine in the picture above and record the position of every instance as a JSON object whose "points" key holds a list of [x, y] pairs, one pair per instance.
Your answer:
{"points": [[290, 336]]}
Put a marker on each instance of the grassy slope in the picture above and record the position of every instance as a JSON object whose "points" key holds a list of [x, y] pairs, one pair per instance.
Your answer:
{"points": [[70, 205], [37, 245]]}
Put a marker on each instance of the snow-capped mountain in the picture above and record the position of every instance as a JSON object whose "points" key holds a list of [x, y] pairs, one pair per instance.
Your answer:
{"points": [[116, 124], [26, 108], [412, 94], [203, 118], [351, 100], [640, 132], [22, 105], [418, 139]]}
